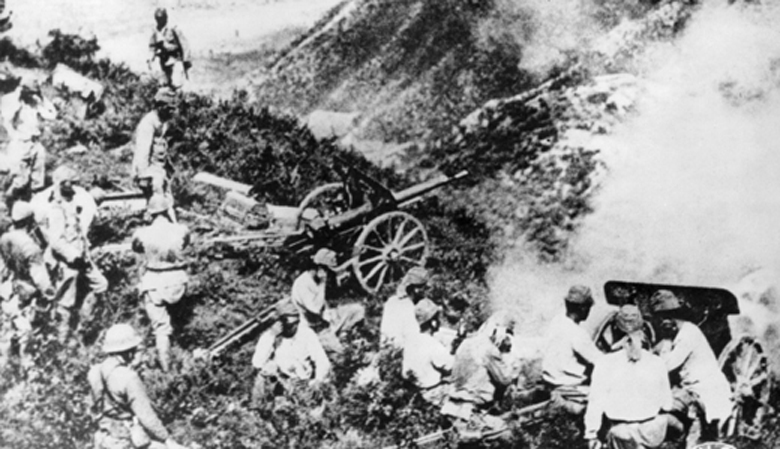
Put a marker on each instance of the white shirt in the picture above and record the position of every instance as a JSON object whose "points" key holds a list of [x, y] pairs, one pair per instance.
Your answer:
{"points": [[691, 354], [568, 354], [300, 357], [309, 297], [627, 391], [398, 321], [425, 360]]}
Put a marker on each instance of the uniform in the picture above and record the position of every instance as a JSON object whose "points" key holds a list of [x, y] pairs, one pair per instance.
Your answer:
{"points": [[427, 361], [165, 277], [398, 323], [151, 145], [171, 48]]}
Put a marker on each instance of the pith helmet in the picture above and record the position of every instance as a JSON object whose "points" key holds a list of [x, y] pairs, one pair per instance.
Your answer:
{"points": [[121, 337], [157, 204], [579, 294], [21, 211], [325, 257], [629, 319], [665, 301], [426, 310], [416, 276]]}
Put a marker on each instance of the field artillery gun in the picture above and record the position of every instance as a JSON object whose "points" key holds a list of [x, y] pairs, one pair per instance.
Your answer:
{"points": [[359, 218]]}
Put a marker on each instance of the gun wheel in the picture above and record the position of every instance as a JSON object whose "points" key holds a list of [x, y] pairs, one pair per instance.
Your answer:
{"points": [[323, 202], [388, 246], [746, 367]]}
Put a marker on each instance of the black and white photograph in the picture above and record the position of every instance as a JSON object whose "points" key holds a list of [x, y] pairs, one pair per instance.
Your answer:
{"points": [[389, 224]]}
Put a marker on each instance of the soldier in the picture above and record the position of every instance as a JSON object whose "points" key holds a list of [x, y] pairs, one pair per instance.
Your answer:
{"points": [[481, 373], [151, 169], [426, 361], [570, 353], [287, 354], [169, 46], [126, 417], [65, 224], [629, 392], [28, 279], [23, 162], [398, 317], [700, 389], [308, 295], [165, 277]]}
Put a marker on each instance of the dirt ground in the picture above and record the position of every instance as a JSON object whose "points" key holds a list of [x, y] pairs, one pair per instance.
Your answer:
{"points": [[228, 38]]}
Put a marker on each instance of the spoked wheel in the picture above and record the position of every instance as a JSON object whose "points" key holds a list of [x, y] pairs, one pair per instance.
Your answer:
{"points": [[746, 367], [327, 200], [387, 248], [607, 334]]}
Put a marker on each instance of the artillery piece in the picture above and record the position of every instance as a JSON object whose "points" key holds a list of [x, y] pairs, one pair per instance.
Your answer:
{"points": [[359, 218]]}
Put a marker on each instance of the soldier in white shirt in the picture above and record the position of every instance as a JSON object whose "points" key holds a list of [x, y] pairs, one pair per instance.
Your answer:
{"points": [[629, 392], [570, 352], [288, 354], [702, 390], [426, 361], [398, 321]]}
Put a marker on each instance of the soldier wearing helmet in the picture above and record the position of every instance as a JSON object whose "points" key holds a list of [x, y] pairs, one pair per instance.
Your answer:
{"points": [[288, 354], [126, 418], [309, 294], [700, 390], [151, 167], [65, 213], [170, 48], [427, 361], [25, 277], [165, 278], [398, 319]]}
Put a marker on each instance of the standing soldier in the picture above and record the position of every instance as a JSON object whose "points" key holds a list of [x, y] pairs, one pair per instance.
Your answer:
{"points": [[169, 46], [126, 418], [23, 161], [398, 315], [28, 280], [308, 295], [570, 353], [151, 169], [165, 277], [65, 225]]}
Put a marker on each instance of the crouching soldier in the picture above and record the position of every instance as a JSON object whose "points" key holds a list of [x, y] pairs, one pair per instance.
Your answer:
{"points": [[126, 418], [398, 314], [308, 295], [480, 375], [27, 277], [288, 354], [426, 361], [165, 277]]}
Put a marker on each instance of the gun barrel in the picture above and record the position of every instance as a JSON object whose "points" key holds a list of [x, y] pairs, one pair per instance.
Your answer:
{"points": [[237, 334], [411, 194]]}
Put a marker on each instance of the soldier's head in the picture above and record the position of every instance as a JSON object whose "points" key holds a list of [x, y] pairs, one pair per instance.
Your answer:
{"points": [[122, 341], [65, 179], [22, 214], [161, 17], [164, 103], [414, 283], [427, 314], [667, 310], [289, 317], [578, 301], [323, 263]]}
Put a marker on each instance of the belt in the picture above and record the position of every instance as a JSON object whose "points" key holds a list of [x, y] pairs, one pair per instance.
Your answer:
{"points": [[164, 269], [623, 421]]}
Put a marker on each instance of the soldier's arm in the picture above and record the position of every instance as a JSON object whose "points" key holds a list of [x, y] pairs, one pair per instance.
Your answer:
{"points": [[142, 408], [498, 370], [264, 351], [585, 348], [595, 408]]}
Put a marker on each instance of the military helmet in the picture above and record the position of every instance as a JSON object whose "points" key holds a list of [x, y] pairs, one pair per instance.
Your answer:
{"points": [[416, 276], [325, 257], [629, 319], [665, 301], [579, 294], [64, 173], [21, 211], [426, 310], [120, 338], [286, 308], [157, 204], [160, 14], [164, 97]]}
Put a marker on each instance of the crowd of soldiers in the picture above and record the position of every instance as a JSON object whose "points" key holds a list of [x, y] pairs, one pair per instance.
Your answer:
{"points": [[623, 399]]}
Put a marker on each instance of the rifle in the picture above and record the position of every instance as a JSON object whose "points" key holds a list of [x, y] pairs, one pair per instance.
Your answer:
{"points": [[259, 322]]}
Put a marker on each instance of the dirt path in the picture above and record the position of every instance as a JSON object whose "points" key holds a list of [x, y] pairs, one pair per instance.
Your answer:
{"points": [[228, 38]]}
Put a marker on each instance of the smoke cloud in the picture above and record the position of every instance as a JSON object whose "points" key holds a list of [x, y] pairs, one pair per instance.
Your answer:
{"points": [[691, 196]]}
